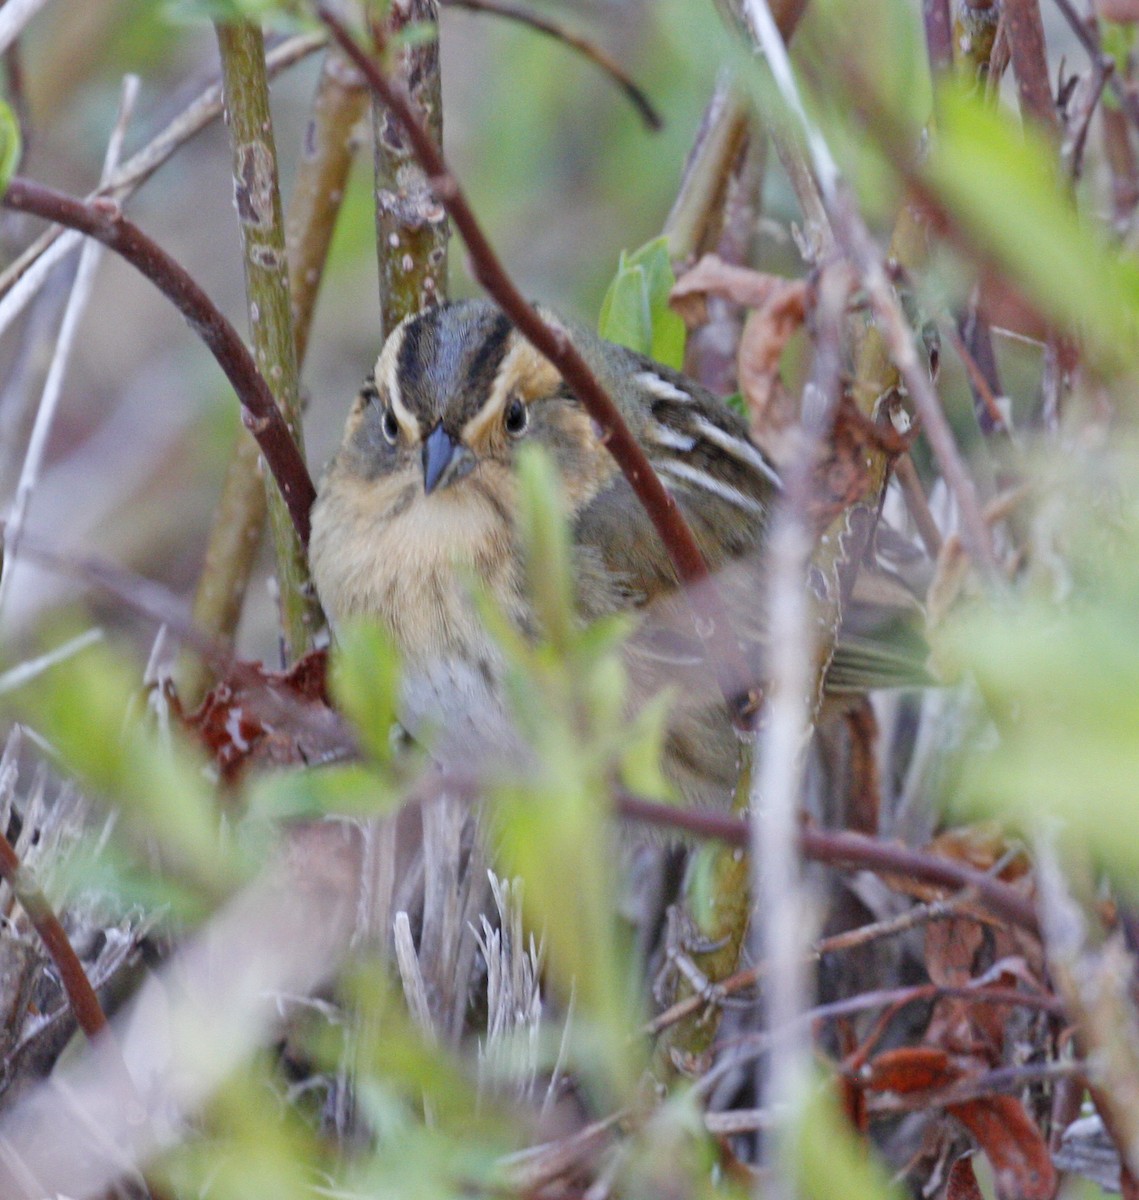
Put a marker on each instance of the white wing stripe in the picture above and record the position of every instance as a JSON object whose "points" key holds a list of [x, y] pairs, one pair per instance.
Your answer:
{"points": [[690, 474], [737, 448]]}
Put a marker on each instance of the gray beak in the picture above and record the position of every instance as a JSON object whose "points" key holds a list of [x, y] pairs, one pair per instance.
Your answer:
{"points": [[444, 460]]}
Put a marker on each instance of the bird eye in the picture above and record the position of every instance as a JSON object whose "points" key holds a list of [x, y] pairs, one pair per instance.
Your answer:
{"points": [[517, 417], [389, 426]]}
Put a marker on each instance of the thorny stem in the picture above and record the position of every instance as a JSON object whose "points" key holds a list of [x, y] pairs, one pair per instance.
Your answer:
{"points": [[258, 201], [103, 220], [588, 49], [661, 507]]}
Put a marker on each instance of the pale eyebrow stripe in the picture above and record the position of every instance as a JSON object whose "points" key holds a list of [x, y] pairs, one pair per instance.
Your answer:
{"points": [[387, 379]]}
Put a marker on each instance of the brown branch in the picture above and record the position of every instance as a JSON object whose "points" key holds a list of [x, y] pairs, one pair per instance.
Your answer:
{"points": [[80, 994], [576, 41], [1030, 64], [837, 849], [662, 509], [103, 220]]}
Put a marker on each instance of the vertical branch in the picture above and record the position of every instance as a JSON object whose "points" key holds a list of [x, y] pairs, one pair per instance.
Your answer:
{"points": [[330, 145], [258, 201], [795, 670], [411, 223], [1030, 65]]}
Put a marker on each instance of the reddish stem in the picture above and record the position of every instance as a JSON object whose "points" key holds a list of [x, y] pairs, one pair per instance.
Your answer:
{"points": [[843, 849], [103, 220], [80, 994]]}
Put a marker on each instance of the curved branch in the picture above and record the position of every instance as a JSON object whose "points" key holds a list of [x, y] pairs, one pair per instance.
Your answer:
{"points": [[80, 994], [103, 220], [576, 41]]}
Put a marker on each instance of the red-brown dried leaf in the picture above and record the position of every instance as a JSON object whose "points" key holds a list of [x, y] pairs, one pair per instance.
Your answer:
{"points": [[766, 333], [256, 717], [962, 1182], [1022, 1166], [712, 276], [911, 1069]]}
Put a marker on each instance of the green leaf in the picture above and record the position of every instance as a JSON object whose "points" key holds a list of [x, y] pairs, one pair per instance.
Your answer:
{"points": [[545, 540], [635, 311], [1001, 187], [831, 1160], [625, 315], [11, 145], [346, 790], [88, 709], [365, 678]]}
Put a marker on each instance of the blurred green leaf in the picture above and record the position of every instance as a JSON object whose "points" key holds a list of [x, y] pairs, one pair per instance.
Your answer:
{"points": [[89, 709], [635, 311], [365, 677], [544, 533], [833, 1162], [1117, 40], [625, 317], [1000, 184], [255, 1147], [1057, 664], [10, 144], [349, 790]]}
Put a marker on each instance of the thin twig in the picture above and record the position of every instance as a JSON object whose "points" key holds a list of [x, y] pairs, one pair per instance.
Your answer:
{"points": [[917, 505], [996, 422], [412, 231], [748, 1047], [1090, 42], [89, 261], [576, 41], [714, 630], [103, 220], [920, 914], [25, 672], [695, 221], [140, 166], [329, 148], [852, 851], [997, 1082], [795, 674], [14, 16]]}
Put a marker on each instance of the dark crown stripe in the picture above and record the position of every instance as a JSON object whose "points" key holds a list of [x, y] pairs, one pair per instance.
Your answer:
{"points": [[487, 358], [417, 348]]}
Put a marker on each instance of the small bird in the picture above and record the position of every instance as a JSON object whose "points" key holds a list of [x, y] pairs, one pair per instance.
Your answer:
{"points": [[421, 496]]}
